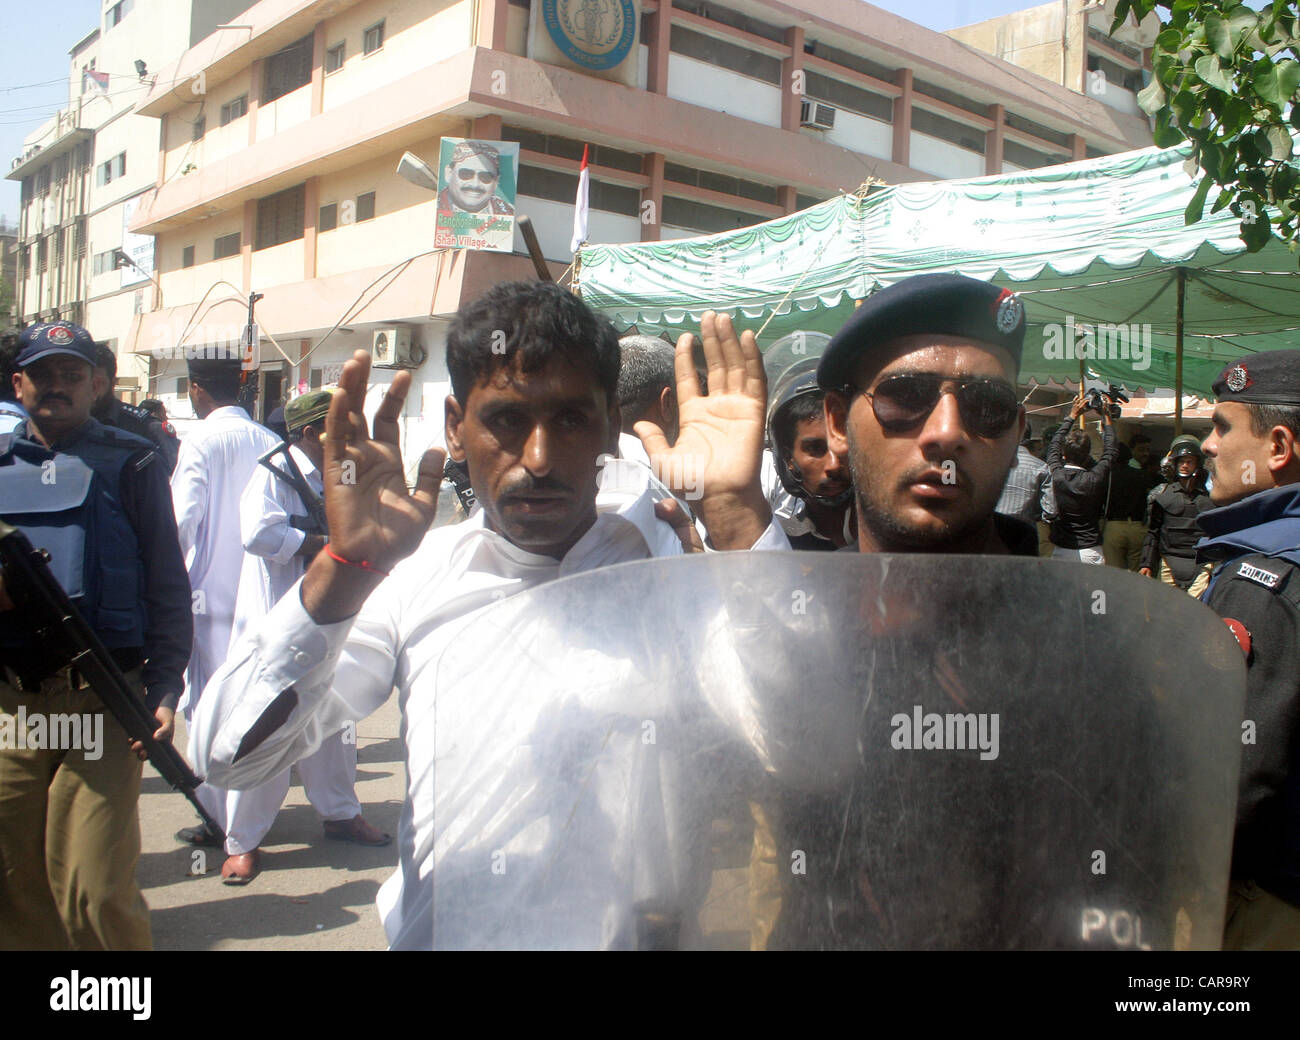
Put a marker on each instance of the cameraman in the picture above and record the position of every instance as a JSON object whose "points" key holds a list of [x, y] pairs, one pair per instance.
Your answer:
{"points": [[1080, 493]]}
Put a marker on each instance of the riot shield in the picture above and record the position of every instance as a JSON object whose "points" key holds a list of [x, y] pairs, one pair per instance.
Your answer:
{"points": [[806, 750]]}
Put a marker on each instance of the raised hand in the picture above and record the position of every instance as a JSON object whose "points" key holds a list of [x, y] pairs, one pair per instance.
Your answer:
{"points": [[719, 447], [373, 520]]}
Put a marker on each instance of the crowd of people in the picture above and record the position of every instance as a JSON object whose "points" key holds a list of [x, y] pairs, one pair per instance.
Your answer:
{"points": [[221, 590]]}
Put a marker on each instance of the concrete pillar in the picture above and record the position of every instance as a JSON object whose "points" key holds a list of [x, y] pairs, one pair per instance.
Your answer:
{"points": [[318, 69], [254, 98], [993, 139], [657, 43], [491, 29], [902, 152], [652, 165], [311, 211], [787, 197], [246, 237], [1078, 147], [792, 79]]}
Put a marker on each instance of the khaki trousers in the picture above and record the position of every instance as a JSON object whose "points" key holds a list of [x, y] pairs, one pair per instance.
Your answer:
{"points": [[69, 830], [1258, 920], [1121, 543], [1199, 583]]}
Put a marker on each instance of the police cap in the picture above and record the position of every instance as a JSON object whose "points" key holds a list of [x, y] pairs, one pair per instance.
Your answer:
{"points": [[49, 338], [943, 304], [306, 409], [1272, 377]]}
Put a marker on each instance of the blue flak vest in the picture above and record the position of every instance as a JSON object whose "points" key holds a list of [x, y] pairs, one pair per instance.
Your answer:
{"points": [[70, 505]]}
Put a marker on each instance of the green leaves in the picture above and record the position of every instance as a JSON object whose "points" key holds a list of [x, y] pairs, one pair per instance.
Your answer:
{"points": [[1210, 71], [1197, 205], [1217, 35], [1221, 80]]}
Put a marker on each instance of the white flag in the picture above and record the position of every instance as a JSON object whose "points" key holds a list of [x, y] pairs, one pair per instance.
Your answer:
{"points": [[580, 205]]}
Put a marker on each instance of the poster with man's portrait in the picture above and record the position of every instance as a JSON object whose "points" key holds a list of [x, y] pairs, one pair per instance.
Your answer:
{"points": [[476, 194]]}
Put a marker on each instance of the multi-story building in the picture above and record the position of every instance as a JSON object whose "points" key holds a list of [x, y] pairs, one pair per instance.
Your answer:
{"points": [[8, 273], [1071, 44], [280, 139], [83, 173]]}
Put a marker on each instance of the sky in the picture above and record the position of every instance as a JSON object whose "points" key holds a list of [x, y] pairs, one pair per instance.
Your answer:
{"points": [[39, 35]]}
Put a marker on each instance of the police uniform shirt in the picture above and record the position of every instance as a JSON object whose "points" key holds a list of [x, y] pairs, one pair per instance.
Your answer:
{"points": [[146, 501], [136, 420], [1256, 543]]}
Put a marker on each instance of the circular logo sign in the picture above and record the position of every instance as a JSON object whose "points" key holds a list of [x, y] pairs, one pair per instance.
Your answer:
{"points": [[60, 335], [595, 34], [1237, 379]]}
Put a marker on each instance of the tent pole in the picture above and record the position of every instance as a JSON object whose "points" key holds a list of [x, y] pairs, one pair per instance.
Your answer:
{"points": [[1178, 355]]}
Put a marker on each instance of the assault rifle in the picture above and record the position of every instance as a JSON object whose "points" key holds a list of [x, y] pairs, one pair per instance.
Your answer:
{"points": [[62, 633], [314, 522]]}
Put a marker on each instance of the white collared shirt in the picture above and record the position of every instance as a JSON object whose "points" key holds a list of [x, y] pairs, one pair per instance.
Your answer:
{"points": [[344, 671]]}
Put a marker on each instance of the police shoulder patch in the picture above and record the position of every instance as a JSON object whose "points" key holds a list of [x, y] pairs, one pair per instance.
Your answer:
{"points": [[1257, 574]]}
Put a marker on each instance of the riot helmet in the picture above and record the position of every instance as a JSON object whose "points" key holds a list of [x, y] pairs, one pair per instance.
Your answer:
{"points": [[1185, 445], [801, 353]]}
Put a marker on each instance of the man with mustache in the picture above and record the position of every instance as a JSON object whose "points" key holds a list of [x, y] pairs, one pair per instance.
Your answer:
{"points": [[1252, 541], [97, 499], [534, 375], [921, 400]]}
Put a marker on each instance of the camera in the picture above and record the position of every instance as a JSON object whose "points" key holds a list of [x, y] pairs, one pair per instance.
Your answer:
{"points": [[1105, 402]]}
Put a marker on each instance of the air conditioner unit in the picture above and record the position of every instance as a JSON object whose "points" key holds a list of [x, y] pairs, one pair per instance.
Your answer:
{"points": [[817, 114], [391, 347]]}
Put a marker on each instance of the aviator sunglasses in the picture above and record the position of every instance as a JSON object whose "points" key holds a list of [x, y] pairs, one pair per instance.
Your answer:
{"points": [[484, 176], [988, 407]]}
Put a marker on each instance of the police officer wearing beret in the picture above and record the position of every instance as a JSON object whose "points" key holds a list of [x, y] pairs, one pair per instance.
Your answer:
{"points": [[112, 412], [97, 500], [921, 398], [1252, 538]]}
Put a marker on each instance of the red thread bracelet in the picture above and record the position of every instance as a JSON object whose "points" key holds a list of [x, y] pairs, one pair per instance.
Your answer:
{"points": [[364, 565]]}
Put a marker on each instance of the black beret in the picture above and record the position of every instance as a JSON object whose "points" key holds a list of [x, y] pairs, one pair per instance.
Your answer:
{"points": [[944, 304], [1272, 377], [214, 364]]}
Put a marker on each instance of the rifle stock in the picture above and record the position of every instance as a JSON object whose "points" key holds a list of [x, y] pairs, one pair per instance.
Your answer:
{"points": [[59, 627]]}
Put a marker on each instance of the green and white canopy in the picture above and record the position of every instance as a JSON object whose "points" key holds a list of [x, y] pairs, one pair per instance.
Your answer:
{"points": [[1087, 244]]}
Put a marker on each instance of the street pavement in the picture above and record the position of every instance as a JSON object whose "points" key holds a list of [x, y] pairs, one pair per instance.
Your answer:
{"points": [[312, 894]]}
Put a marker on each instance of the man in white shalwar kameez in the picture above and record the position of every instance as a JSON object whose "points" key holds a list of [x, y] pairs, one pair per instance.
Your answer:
{"points": [[215, 464], [531, 421], [280, 540]]}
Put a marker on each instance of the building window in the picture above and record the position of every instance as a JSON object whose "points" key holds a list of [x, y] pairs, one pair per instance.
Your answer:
{"points": [[104, 262], [849, 97], [373, 38], [1027, 158], [232, 110], [111, 169], [187, 256], [561, 187], [42, 254], [366, 206], [280, 217], [329, 217], [316, 379], [701, 216], [198, 128], [334, 57], [42, 182], [720, 182], [114, 15], [79, 238], [83, 157], [58, 248], [226, 245], [726, 55], [287, 70], [949, 130], [182, 387]]}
